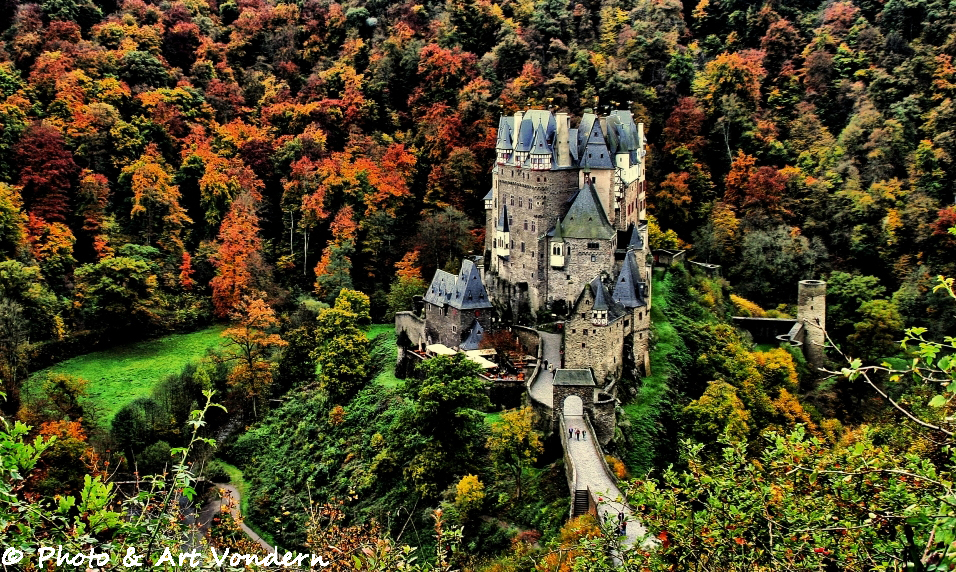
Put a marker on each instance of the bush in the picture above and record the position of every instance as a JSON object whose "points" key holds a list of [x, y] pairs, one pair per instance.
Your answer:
{"points": [[216, 472], [155, 459]]}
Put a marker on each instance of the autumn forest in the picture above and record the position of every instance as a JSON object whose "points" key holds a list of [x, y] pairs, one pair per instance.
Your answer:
{"points": [[238, 196]]}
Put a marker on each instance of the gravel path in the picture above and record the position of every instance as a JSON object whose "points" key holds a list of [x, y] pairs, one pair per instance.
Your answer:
{"points": [[587, 455], [541, 388]]}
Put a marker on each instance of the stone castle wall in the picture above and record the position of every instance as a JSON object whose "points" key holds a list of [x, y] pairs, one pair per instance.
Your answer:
{"points": [[600, 348], [582, 266]]}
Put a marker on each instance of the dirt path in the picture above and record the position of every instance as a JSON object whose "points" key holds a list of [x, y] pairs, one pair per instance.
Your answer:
{"points": [[228, 496]]}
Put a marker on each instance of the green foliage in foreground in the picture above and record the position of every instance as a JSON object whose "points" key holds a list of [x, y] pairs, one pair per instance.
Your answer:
{"points": [[122, 374], [385, 452]]}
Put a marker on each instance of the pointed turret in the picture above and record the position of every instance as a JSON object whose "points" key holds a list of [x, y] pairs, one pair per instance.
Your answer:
{"points": [[628, 289], [540, 150], [503, 234]]}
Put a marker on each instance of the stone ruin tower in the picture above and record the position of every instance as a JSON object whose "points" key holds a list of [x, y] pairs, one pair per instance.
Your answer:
{"points": [[812, 312]]}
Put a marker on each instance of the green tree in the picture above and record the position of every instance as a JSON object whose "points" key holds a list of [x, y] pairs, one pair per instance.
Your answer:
{"points": [[446, 414], [877, 332], [117, 294], [845, 294], [772, 261], [25, 286], [14, 353]]}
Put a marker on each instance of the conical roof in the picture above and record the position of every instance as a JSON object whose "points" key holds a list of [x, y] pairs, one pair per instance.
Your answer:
{"points": [[503, 225], [627, 287], [586, 217]]}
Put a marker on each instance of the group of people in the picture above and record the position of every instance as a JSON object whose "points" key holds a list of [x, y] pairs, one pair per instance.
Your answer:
{"points": [[577, 434], [621, 528]]}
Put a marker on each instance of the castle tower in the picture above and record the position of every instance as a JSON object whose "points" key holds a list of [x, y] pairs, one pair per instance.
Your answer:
{"points": [[812, 311]]}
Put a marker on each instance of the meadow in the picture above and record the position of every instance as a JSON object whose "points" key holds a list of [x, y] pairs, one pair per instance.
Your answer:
{"points": [[120, 374]]}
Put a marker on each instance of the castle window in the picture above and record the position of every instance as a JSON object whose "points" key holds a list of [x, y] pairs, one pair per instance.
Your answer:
{"points": [[538, 179], [584, 315], [454, 329], [520, 202], [569, 276], [522, 246], [512, 200], [532, 254], [640, 315], [530, 201], [593, 245], [593, 258], [526, 224], [626, 323], [582, 345], [512, 244], [585, 331], [532, 275], [532, 226]]}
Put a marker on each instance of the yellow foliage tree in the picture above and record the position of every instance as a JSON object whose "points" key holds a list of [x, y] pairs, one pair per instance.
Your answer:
{"points": [[514, 444], [469, 494]]}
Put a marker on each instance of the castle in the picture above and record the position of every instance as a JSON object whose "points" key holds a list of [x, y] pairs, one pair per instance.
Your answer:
{"points": [[565, 234]]}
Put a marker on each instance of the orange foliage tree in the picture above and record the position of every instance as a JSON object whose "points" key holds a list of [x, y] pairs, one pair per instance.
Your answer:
{"points": [[251, 343], [239, 247], [156, 199]]}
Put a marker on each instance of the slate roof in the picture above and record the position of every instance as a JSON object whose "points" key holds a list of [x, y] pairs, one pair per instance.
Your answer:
{"points": [[464, 291], [622, 134], [603, 300], [505, 133], [489, 196], [629, 291], [586, 217], [503, 225], [472, 337], [540, 144], [635, 238], [591, 143], [574, 377]]}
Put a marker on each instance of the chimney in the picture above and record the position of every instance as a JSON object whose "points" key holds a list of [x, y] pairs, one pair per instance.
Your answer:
{"points": [[562, 142], [519, 115], [640, 136]]}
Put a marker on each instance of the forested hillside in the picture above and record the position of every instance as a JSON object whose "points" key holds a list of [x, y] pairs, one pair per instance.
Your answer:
{"points": [[169, 164]]}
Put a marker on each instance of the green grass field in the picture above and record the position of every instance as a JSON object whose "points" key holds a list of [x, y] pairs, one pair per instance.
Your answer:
{"points": [[121, 374], [387, 376]]}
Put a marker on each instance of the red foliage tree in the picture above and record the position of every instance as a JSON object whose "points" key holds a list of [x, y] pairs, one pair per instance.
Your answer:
{"points": [[683, 127], [47, 171]]}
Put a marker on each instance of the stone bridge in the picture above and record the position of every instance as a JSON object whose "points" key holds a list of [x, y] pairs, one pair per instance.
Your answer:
{"points": [[569, 399]]}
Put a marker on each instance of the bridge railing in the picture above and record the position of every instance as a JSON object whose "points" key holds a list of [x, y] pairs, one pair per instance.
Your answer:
{"points": [[600, 451], [570, 471], [534, 376]]}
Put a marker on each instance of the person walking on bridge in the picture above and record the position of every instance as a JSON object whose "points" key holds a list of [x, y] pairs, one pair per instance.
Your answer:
{"points": [[570, 433], [577, 434]]}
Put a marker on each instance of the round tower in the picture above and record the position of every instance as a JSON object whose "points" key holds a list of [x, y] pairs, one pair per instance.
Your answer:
{"points": [[812, 311]]}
